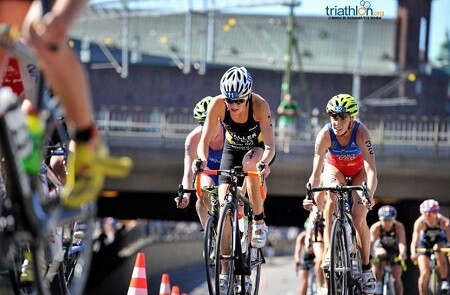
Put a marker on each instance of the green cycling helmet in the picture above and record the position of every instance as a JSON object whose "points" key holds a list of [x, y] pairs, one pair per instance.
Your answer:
{"points": [[201, 108], [341, 104]]}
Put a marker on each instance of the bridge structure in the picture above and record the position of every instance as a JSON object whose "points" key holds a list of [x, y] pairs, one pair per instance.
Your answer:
{"points": [[412, 155]]}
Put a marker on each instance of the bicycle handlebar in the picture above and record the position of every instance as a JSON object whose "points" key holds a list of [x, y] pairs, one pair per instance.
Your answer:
{"points": [[389, 258], [431, 250], [231, 173], [338, 189]]}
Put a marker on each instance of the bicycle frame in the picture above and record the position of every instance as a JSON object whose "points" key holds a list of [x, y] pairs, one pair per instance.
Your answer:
{"points": [[240, 261]]}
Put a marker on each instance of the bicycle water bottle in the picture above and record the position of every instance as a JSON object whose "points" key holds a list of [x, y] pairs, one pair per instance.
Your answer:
{"points": [[27, 150], [32, 163], [243, 228]]}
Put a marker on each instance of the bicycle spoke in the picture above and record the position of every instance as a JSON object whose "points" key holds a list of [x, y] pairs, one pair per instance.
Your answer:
{"points": [[338, 261], [224, 259]]}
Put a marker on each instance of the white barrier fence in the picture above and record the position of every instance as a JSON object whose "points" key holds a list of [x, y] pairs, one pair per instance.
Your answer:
{"points": [[410, 134]]}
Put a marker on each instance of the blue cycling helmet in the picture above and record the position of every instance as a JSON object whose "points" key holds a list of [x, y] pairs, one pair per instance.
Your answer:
{"points": [[387, 213]]}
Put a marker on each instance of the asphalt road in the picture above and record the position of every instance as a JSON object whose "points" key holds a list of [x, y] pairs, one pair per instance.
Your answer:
{"points": [[277, 277]]}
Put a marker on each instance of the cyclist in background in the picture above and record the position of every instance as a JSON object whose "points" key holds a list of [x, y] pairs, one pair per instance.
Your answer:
{"points": [[431, 231], [343, 148], [249, 141], [388, 240], [47, 36], [190, 154], [304, 257]]}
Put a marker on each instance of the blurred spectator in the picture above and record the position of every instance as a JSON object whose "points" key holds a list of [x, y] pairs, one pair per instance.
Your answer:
{"points": [[287, 112]]}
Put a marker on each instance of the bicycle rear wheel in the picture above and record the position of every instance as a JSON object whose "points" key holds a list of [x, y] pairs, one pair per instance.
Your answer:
{"points": [[209, 253], [339, 261], [225, 259]]}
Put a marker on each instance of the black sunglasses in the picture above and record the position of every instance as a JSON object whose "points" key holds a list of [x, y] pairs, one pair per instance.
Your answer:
{"points": [[340, 116], [236, 101]]}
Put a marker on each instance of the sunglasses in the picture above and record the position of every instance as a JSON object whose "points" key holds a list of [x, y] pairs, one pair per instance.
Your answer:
{"points": [[340, 116], [236, 101]]}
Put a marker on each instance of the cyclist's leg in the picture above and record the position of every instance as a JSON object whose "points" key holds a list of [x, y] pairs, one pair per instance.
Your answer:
{"points": [[302, 274], [397, 275], [331, 176], [442, 265], [202, 204], [423, 261], [249, 163], [377, 268], [359, 214]]}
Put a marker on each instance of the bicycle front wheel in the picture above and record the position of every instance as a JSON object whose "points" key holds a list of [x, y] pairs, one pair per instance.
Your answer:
{"points": [[209, 252], [225, 260], [433, 284], [339, 261], [255, 260]]}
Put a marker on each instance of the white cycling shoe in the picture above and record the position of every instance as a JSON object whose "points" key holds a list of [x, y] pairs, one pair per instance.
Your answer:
{"points": [[369, 283], [259, 240], [224, 283]]}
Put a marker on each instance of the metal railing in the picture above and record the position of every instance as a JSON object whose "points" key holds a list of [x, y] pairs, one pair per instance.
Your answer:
{"points": [[407, 134]]}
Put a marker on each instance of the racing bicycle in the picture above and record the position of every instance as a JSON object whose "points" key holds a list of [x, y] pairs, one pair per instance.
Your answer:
{"points": [[387, 279], [210, 232], [345, 271], [434, 283], [234, 255]]}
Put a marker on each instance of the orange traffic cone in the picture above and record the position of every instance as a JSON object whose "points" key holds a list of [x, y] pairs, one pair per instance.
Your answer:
{"points": [[175, 290], [164, 289], [138, 284]]}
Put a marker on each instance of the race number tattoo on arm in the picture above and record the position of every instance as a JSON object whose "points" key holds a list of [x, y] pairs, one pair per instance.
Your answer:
{"points": [[270, 120], [369, 147], [186, 151]]}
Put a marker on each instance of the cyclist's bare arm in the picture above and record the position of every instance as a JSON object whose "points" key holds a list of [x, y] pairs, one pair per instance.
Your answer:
{"points": [[365, 144], [401, 235], [321, 145], [374, 234], [418, 225], [446, 225], [216, 111], [263, 115], [190, 154], [61, 67]]}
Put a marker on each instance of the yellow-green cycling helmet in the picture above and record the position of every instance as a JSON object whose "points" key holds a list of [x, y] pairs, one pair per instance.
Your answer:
{"points": [[341, 104], [201, 108]]}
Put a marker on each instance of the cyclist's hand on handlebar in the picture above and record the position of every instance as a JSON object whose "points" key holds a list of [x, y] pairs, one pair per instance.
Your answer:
{"points": [[198, 165], [308, 204], [263, 168], [184, 202], [403, 256]]}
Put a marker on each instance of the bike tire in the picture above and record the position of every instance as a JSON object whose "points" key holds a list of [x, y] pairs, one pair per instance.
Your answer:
{"points": [[339, 261], [209, 250], [387, 284], [255, 260], [433, 283], [223, 244], [78, 255], [312, 284]]}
